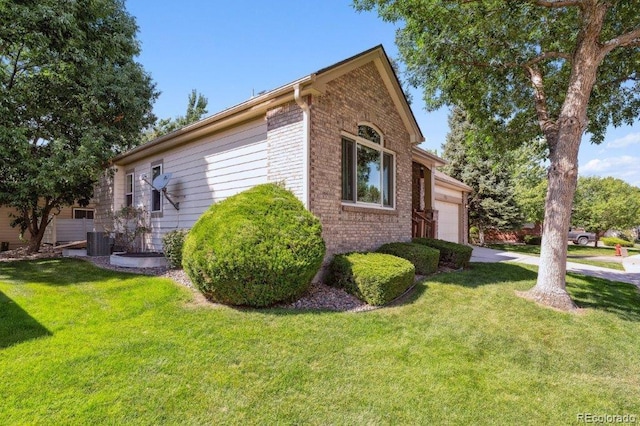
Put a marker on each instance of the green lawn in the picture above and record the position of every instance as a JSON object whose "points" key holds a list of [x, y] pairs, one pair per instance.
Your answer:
{"points": [[577, 254], [79, 345]]}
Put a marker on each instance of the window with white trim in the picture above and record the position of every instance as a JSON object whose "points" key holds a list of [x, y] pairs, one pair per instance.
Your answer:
{"points": [[156, 199], [83, 213], [368, 169], [129, 189]]}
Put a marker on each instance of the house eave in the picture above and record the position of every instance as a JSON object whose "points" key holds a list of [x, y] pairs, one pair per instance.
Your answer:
{"points": [[428, 159], [243, 112], [447, 181]]}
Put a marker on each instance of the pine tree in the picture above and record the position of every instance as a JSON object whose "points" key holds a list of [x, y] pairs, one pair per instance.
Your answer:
{"points": [[492, 204]]}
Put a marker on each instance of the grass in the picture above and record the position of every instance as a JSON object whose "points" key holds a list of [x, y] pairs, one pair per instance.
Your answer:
{"points": [[602, 264], [79, 345], [576, 254]]}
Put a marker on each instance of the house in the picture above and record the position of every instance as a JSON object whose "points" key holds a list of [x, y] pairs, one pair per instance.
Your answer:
{"points": [[69, 224], [343, 139]]}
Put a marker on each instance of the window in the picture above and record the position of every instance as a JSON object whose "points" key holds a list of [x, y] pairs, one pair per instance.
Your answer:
{"points": [[156, 199], [368, 175], [83, 213], [128, 189]]}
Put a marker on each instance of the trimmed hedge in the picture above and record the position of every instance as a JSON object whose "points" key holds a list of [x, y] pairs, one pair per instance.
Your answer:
{"points": [[172, 243], [451, 254], [256, 248], [376, 278], [532, 240], [612, 241], [425, 259]]}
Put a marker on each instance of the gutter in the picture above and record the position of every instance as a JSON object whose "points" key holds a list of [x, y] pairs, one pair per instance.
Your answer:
{"points": [[306, 138]]}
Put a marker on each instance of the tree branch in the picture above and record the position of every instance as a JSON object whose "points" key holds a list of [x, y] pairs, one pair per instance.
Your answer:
{"points": [[557, 3], [547, 55], [15, 69], [547, 125], [617, 81], [526, 65], [632, 38]]}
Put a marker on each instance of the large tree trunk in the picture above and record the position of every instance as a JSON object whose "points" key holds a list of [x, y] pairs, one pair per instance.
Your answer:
{"points": [[550, 288], [35, 242], [37, 227], [564, 137]]}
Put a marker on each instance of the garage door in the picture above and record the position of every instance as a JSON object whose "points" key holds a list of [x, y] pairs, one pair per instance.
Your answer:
{"points": [[448, 221]]}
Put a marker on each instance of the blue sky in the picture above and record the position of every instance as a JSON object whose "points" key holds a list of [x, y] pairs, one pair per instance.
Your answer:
{"points": [[229, 50]]}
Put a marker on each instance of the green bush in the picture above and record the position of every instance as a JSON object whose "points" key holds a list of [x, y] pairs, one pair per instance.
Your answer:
{"points": [[172, 243], [474, 235], [532, 240], [612, 241], [376, 278], [425, 259], [451, 254], [256, 248]]}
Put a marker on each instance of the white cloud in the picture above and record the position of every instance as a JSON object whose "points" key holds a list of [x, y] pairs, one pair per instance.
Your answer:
{"points": [[625, 167], [623, 142]]}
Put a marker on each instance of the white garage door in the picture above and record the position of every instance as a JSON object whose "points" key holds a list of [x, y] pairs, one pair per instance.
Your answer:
{"points": [[448, 221]]}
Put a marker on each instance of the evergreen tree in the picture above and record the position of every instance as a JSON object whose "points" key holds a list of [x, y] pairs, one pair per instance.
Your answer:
{"points": [[196, 110], [492, 204]]}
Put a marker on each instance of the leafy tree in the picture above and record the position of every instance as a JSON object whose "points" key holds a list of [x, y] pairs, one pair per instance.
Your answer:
{"points": [[607, 203], [529, 176], [492, 204], [196, 109], [71, 97], [525, 69]]}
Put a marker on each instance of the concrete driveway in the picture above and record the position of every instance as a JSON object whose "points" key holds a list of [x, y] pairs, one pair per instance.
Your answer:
{"points": [[631, 264]]}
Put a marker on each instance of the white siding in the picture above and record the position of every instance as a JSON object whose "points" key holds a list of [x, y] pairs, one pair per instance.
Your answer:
{"points": [[448, 221], [286, 157], [448, 192], [204, 172]]}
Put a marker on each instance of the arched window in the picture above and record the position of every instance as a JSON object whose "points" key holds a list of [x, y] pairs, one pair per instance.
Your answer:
{"points": [[369, 133], [368, 169]]}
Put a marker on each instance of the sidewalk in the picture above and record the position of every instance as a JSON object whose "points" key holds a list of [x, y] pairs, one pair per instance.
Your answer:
{"points": [[631, 264]]}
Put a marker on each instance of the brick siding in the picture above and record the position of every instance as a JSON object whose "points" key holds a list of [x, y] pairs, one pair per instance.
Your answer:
{"points": [[356, 97]]}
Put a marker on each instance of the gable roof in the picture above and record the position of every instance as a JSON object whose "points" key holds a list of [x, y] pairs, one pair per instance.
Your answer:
{"points": [[314, 83]]}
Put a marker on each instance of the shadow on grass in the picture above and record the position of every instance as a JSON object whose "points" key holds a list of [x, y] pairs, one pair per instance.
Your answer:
{"points": [[480, 274], [54, 272], [618, 298], [16, 325]]}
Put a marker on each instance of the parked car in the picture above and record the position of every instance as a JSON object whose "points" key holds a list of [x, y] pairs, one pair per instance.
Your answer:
{"points": [[580, 236]]}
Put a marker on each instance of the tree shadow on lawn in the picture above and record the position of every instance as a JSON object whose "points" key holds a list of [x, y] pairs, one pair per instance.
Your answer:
{"points": [[618, 298], [16, 325], [54, 272], [480, 274]]}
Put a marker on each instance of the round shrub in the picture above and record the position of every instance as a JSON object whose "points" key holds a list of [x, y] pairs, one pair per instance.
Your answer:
{"points": [[256, 248], [612, 241], [376, 278], [424, 258], [172, 243]]}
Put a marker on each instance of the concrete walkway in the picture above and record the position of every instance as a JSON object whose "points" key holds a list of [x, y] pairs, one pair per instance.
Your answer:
{"points": [[631, 264]]}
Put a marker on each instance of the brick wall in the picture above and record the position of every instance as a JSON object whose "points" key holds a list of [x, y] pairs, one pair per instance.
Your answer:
{"points": [[356, 97], [284, 139]]}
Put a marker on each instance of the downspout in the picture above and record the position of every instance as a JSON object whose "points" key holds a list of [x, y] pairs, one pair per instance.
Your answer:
{"points": [[306, 137]]}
